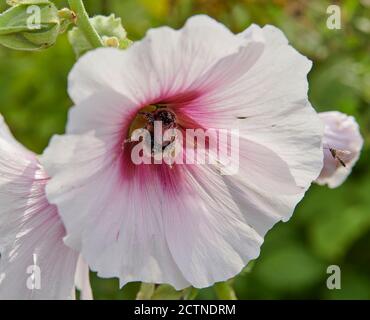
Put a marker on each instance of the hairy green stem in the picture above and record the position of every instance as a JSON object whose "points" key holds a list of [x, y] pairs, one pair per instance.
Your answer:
{"points": [[84, 24], [224, 291], [190, 293]]}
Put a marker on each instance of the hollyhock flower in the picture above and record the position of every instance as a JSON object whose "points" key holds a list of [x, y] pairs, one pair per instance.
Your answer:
{"points": [[34, 262], [342, 146], [184, 224]]}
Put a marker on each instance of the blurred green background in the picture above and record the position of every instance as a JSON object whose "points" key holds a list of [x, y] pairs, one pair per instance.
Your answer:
{"points": [[329, 226]]}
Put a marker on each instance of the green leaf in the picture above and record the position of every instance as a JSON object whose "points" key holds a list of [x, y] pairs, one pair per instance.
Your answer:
{"points": [[166, 292], [334, 233], [291, 268]]}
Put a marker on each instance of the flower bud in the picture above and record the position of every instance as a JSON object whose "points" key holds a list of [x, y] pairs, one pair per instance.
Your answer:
{"points": [[109, 28], [67, 17], [342, 144], [111, 42], [29, 25]]}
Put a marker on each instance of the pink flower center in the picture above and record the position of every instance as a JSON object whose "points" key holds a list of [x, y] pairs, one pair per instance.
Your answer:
{"points": [[181, 112]]}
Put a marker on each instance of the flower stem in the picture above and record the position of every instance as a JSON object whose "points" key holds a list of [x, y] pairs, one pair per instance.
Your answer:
{"points": [[84, 24], [224, 291], [190, 293], [146, 291]]}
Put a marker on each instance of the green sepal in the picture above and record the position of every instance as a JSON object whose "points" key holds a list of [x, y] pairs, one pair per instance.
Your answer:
{"points": [[107, 28]]}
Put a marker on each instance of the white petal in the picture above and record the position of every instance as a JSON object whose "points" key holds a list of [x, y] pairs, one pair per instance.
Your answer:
{"points": [[294, 132], [82, 279], [262, 169], [41, 234], [271, 101], [72, 162], [5, 132], [207, 234], [119, 227], [6, 135], [276, 81], [107, 113], [31, 233], [164, 61], [264, 188]]}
